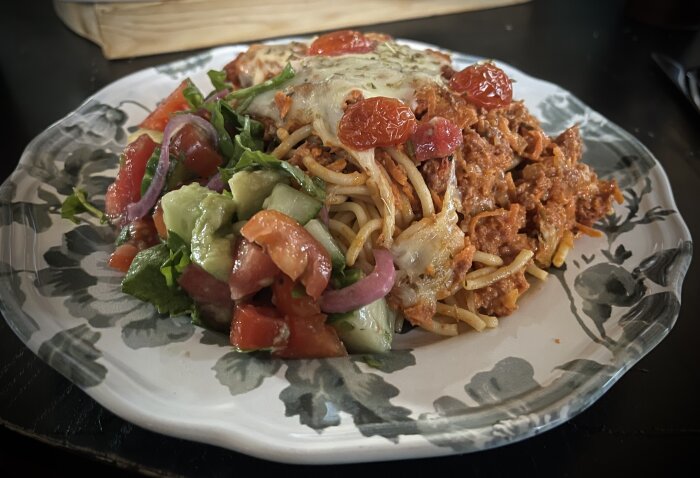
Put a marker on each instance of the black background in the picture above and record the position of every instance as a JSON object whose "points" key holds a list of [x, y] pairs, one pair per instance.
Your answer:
{"points": [[648, 423]]}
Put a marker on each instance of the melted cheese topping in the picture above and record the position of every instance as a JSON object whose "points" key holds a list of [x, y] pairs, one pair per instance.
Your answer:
{"points": [[323, 84]]}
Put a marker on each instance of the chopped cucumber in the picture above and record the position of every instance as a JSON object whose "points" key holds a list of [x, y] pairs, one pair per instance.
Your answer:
{"points": [[321, 234], [369, 329], [250, 188], [293, 203]]}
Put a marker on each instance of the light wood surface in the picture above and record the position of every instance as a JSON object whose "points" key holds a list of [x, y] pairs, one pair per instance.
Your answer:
{"points": [[145, 28]]}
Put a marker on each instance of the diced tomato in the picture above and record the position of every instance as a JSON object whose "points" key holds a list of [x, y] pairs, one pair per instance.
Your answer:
{"points": [[341, 42], [436, 139], [204, 287], [252, 270], [143, 233], [310, 337], [376, 122], [159, 222], [255, 328], [484, 84], [126, 188], [201, 156], [289, 301], [122, 257], [291, 248], [160, 116]]}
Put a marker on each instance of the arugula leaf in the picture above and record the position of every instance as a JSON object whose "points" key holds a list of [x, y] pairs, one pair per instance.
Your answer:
{"points": [[178, 259], [78, 203], [151, 166], [218, 80], [245, 95], [145, 281], [250, 132], [193, 95], [314, 187]]}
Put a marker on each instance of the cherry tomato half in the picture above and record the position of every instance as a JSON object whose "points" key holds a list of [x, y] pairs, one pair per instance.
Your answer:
{"points": [[340, 42], [376, 122], [484, 84]]}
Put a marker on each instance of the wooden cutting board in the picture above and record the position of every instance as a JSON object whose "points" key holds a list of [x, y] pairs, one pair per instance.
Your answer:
{"points": [[136, 28]]}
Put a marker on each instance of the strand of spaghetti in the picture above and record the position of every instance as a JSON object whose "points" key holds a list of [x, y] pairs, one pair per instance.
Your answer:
{"points": [[360, 239], [416, 179], [518, 263], [288, 143], [461, 314], [490, 321], [333, 177], [435, 327], [480, 272], [589, 231], [333, 199], [488, 259], [349, 190], [346, 218], [354, 208], [341, 230], [535, 271], [565, 245]]}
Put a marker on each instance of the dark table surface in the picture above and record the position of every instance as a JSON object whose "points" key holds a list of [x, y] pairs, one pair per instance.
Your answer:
{"points": [[647, 423]]}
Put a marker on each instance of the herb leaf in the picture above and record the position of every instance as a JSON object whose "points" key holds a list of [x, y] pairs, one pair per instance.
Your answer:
{"points": [[218, 80], [193, 95], [78, 203], [244, 95], [178, 259]]}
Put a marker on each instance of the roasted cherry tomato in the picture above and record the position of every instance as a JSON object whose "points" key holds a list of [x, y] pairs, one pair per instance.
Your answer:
{"points": [[437, 138], [340, 42], [376, 122], [291, 248], [160, 116], [484, 84]]}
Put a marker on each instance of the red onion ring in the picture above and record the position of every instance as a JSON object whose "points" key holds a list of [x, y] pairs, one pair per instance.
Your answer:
{"points": [[323, 215], [216, 183], [365, 291], [141, 207]]}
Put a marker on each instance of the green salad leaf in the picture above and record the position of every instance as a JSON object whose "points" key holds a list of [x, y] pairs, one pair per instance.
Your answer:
{"points": [[78, 203], [218, 80], [179, 258], [193, 95]]}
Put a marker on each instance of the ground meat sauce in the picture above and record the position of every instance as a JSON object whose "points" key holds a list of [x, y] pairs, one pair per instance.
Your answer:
{"points": [[520, 188]]}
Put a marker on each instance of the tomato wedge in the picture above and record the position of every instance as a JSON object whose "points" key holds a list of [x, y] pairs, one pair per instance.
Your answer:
{"points": [[201, 156], [122, 257], [174, 102], [252, 270], [255, 328], [126, 188], [289, 302], [296, 252], [310, 337]]}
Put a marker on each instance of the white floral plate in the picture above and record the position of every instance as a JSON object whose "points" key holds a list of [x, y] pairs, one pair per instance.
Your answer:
{"points": [[571, 339]]}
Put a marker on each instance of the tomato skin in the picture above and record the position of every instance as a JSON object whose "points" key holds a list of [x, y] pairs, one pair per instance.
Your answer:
{"points": [[436, 139], [284, 299], [296, 252], [254, 328], [160, 116], [376, 122], [201, 156], [159, 222], [484, 84], [122, 257], [310, 337], [341, 42], [252, 270], [126, 188]]}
